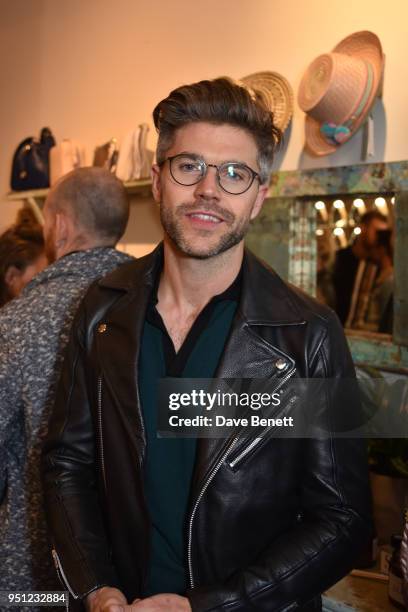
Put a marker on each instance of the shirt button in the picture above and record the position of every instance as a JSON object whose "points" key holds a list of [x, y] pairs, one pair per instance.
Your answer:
{"points": [[280, 364]]}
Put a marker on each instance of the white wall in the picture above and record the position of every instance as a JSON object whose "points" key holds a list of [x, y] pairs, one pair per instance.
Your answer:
{"points": [[92, 69]]}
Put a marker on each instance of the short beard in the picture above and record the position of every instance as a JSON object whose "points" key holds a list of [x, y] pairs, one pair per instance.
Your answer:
{"points": [[174, 231]]}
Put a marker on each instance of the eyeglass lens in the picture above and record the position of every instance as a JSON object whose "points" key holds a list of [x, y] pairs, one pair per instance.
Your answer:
{"points": [[233, 177]]}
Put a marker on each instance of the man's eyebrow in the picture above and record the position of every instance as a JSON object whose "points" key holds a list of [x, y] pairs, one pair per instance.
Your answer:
{"points": [[227, 161], [190, 154]]}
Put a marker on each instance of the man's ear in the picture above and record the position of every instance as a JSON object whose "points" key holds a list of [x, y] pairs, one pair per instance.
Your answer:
{"points": [[12, 279], [62, 226], [262, 193], [156, 184]]}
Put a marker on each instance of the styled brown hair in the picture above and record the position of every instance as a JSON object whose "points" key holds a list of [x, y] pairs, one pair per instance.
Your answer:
{"points": [[20, 246], [218, 101]]}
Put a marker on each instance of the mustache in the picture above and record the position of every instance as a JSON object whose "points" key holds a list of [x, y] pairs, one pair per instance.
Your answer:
{"points": [[215, 209]]}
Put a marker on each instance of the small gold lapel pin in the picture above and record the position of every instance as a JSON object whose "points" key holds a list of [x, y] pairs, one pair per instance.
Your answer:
{"points": [[102, 327]]}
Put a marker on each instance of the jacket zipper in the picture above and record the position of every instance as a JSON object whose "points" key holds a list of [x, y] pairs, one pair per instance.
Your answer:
{"points": [[61, 573], [100, 431], [256, 441], [211, 477], [245, 452], [203, 490]]}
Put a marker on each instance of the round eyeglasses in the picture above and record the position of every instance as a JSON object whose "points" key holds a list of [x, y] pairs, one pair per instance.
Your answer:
{"points": [[233, 177]]}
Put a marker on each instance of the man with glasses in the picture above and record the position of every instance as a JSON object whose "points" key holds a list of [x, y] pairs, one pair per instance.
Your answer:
{"points": [[147, 523]]}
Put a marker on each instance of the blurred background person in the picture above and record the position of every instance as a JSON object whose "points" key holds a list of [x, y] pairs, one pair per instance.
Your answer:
{"points": [[325, 260], [22, 255], [380, 309], [85, 215], [354, 273]]}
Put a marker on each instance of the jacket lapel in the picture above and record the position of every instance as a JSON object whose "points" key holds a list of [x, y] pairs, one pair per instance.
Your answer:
{"points": [[264, 302]]}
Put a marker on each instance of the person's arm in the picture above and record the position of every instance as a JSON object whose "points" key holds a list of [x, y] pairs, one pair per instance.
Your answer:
{"points": [[81, 549], [11, 407], [335, 522]]}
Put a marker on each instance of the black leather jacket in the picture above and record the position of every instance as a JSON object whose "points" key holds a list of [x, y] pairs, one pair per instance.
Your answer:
{"points": [[269, 534]]}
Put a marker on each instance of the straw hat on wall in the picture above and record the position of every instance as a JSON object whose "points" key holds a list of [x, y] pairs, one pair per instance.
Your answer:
{"points": [[277, 93], [338, 90]]}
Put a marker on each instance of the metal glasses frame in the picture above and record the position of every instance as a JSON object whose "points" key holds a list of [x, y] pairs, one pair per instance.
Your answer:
{"points": [[205, 167]]}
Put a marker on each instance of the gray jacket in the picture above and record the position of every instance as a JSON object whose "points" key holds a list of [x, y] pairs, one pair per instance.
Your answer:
{"points": [[34, 330]]}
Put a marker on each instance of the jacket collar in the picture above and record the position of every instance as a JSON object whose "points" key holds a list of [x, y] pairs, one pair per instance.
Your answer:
{"points": [[265, 298], [133, 276]]}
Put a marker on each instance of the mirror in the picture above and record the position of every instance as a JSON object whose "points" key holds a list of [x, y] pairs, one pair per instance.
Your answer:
{"points": [[355, 258], [284, 235]]}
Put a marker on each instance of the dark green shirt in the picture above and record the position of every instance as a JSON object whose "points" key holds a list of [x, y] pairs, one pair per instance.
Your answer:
{"points": [[170, 461]]}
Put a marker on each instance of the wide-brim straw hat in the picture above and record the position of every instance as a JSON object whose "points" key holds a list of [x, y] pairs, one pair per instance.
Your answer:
{"points": [[277, 93], [338, 90]]}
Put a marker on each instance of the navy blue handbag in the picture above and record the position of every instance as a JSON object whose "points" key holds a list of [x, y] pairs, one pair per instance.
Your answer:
{"points": [[30, 168]]}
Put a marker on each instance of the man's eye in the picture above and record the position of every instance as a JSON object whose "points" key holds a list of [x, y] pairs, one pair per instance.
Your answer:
{"points": [[235, 174], [189, 167]]}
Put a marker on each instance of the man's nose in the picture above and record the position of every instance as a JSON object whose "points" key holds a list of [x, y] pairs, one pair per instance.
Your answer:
{"points": [[208, 187]]}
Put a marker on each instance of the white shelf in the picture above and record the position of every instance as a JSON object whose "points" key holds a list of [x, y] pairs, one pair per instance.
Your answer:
{"points": [[35, 197], [26, 195]]}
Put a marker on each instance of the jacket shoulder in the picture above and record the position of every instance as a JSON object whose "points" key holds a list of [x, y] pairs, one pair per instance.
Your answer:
{"points": [[130, 278]]}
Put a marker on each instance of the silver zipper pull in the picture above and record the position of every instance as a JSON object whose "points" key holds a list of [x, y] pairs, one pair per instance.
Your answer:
{"points": [[281, 364], [60, 571]]}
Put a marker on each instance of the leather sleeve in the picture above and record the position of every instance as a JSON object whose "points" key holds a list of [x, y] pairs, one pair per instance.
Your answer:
{"points": [[71, 500], [335, 513]]}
